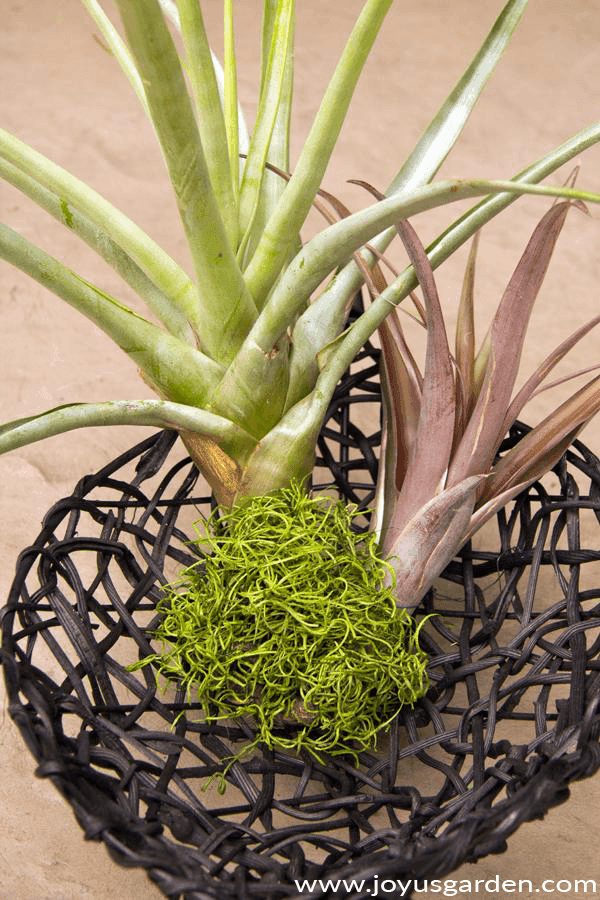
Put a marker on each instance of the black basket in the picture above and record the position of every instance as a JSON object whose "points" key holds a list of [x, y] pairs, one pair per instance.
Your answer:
{"points": [[511, 717]]}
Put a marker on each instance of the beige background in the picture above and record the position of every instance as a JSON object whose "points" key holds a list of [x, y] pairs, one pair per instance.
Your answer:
{"points": [[62, 93]]}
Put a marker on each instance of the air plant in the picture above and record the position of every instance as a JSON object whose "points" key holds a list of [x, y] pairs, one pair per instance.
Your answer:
{"points": [[252, 344], [440, 477]]}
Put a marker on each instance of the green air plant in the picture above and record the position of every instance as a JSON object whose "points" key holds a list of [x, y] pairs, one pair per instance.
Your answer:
{"points": [[245, 352]]}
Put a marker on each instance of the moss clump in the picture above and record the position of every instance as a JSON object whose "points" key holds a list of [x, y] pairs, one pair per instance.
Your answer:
{"points": [[288, 619]]}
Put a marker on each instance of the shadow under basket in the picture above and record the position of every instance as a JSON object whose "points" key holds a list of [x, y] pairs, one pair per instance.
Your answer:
{"points": [[510, 719]]}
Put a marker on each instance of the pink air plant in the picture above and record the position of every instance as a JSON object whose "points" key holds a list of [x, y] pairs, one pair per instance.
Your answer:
{"points": [[440, 477]]}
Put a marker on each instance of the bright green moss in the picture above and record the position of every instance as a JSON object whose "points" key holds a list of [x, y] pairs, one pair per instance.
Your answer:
{"points": [[288, 619]]}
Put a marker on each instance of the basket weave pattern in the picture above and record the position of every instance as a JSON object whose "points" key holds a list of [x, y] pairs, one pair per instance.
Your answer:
{"points": [[511, 718]]}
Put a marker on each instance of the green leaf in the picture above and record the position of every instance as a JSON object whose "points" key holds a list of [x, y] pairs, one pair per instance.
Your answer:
{"points": [[162, 305], [146, 253], [446, 127], [227, 307], [160, 413], [118, 49], [209, 114], [283, 228], [233, 118], [334, 245], [461, 230], [312, 264], [176, 369], [274, 98], [441, 135], [287, 452], [279, 147], [227, 86], [252, 391]]}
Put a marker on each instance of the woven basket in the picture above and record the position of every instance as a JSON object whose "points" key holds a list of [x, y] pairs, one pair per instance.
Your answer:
{"points": [[511, 717]]}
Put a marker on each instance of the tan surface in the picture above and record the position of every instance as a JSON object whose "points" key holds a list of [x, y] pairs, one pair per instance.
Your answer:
{"points": [[62, 93]]}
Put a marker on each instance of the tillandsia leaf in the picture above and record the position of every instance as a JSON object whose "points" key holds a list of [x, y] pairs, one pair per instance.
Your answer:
{"points": [[401, 393], [237, 139], [343, 350], [275, 95], [171, 317], [332, 247], [287, 452], [406, 387], [230, 96], [548, 456], [209, 114], [402, 382], [461, 230], [178, 371], [465, 343], [165, 414], [313, 330], [227, 85], [565, 378], [279, 146], [533, 383], [254, 395], [441, 134], [118, 49], [499, 501], [432, 445], [231, 110], [319, 258], [154, 262], [382, 284], [529, 458], [227, 307], [283, 228], [269, 19], [446, 127], [482, 435], [428, 542], [482, 358]]}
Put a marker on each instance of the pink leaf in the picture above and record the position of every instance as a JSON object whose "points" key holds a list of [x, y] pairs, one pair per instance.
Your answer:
{"points": [[484, 431], [427, 543], [432, 445]]}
